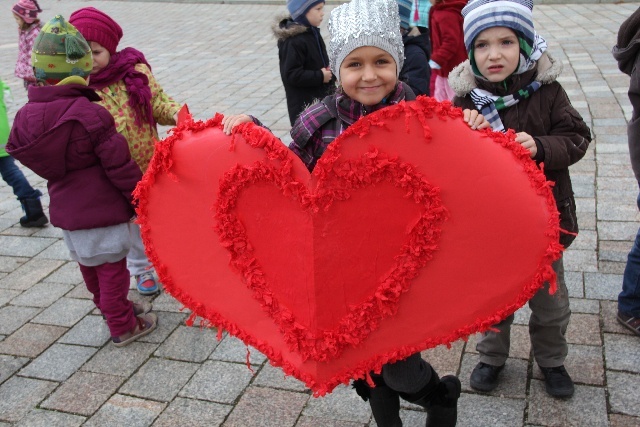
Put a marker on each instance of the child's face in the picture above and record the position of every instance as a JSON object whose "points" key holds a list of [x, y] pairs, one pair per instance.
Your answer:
{"points": [[497, 53], [19, 20], [368, 74], [315, 15], [101, 57]]}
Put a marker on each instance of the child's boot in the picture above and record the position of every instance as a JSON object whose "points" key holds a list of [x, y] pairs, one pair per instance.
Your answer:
{"points": [[34, 216], [145, 323], [440, 398], [384, 402]]}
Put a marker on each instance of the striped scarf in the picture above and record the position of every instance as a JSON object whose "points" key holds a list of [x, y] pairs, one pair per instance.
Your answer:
{"points": [[489, 104]]}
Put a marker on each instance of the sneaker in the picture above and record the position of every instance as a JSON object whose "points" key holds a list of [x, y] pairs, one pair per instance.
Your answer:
{"points": [[557, 381], [485, 377], [139, 308], [145, 323], [146, 284], [630, 322]]}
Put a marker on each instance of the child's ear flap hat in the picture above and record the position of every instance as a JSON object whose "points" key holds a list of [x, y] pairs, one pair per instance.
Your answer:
{"points": [[299, 8], [365, 23], [97, 26], [27, 10], [517, 15], [59, 52]]}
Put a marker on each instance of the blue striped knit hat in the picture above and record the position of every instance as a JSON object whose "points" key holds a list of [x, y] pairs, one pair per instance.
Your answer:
{"points": [[404, 8], [514, 14]]}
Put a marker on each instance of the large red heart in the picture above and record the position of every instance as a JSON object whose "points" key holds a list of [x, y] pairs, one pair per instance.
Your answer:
{"points": [[412, 231]]}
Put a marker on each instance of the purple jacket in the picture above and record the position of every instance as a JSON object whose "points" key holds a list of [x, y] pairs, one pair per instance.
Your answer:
{"points": [[64, 137]]}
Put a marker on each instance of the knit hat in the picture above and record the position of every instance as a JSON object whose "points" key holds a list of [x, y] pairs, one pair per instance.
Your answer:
{"points": [[482, 14], [299, 8], [365, 23], [59, 52], [97, 26], [404, 8], [27, 10]]}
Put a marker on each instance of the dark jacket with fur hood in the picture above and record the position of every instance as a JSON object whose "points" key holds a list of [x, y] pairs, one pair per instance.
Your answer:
{"points": [[627, 53], [302, 55], [561, 134]]}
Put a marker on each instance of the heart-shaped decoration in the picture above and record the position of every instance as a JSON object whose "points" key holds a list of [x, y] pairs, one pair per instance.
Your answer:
{"points": [[412, 231]]}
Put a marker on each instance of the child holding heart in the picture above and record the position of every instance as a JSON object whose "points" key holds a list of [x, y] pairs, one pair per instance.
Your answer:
{"points": [[367, 50], [511, 79]]}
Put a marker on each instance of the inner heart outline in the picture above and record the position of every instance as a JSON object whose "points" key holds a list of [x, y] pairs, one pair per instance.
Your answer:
{"points": [[348, 176]]}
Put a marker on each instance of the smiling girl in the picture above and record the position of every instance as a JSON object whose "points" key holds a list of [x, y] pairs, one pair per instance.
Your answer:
{"points": [[511, 79]]}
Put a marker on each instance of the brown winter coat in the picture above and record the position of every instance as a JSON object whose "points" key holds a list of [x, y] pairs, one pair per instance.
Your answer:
{"points": [[561, 134]]}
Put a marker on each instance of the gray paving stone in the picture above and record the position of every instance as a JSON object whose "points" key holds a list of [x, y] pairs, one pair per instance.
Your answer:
{"points": [[231, 349], [617, 230], [168, 322], [263, 407], [10, 365], [121, 361], [165, 302], [614, 251], [65, 312], [216, 381], [586, 408], [589, 306], [42, 418], [58, 251], [23, 246], [58, 362], [29, 273], [575, 283], [511, 380], [18, 395], [480, 410], [68, 273], [30, 340], [623, 392], [80, 292], [445, 360], [193, 413], [42, 294], [580, 260], [608, 312], [159, 379], [274, 377], [602, 286], [124, 410], [584, 329], [342, 404], [621, 352], [325, 422], [7, 295], [10, 263], [83, 393], [191, 344], [90, 331], [13, 317]]}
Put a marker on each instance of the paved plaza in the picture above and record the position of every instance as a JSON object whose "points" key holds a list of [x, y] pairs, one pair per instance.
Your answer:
{"points": [[57, 367]]}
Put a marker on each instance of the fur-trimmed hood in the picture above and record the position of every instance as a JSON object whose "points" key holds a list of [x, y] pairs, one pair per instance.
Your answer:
{"points": [[462, 80], [284, 27]]}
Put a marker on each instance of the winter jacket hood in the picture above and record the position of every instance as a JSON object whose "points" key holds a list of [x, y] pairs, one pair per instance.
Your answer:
{"points": [[628, 45], [284, 27]]}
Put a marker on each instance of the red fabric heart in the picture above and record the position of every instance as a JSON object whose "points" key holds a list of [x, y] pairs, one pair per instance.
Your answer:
{"points": [[413, 231]]}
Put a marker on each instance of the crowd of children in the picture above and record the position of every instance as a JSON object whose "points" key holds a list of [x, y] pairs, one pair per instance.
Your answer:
{"points": [[485, 56]]}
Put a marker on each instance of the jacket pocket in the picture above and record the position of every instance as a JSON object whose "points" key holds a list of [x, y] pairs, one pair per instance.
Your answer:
{"points": [[568, 221]]}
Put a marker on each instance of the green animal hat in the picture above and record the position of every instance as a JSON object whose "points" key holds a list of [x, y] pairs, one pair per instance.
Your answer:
{"points": [[59, 52]]}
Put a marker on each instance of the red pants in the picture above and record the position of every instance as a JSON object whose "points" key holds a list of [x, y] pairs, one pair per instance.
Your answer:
{"points": [[109, 284]]}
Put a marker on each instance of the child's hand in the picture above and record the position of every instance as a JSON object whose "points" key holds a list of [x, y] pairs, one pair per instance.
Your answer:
{"points": [[229, 122], [475, 119], [527, 142], [326, 72]]}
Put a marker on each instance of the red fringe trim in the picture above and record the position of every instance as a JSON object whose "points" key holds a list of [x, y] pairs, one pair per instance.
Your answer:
{"points": [[379, 167]]}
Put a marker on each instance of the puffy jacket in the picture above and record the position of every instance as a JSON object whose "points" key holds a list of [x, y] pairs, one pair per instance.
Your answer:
{"points": [[447, 37], [416, 71], [548, 116], [65, 138], [302, 55]]}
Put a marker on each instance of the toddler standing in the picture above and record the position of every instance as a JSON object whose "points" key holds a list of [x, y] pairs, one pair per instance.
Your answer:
{"points": [[64, 137], [128, 90], [511, 79], [304, 64], [25, 12]]}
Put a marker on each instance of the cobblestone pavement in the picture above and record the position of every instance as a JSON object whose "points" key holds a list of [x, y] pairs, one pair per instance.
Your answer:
{"points": [[58, 369]]}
